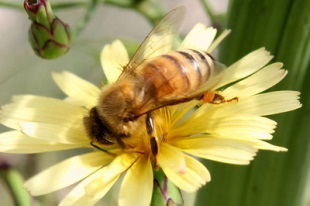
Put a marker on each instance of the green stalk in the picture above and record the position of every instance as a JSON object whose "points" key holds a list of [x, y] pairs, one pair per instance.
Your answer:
{"points": [[14, 182], [86, 18], [165, 193], [209, 10], [272, 179], [12, 5], [217, 20], [149, 9]]}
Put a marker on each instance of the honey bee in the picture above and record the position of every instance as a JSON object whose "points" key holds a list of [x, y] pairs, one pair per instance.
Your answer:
{"points": [[155, 77]]}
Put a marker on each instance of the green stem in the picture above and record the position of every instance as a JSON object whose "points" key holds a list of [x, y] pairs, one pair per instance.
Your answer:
{"points": [[209, 11], [217, 20], [165, 192], [11, 5], [55, 6], [59, 6], [151, 10], [89, 12], [14, 182]]}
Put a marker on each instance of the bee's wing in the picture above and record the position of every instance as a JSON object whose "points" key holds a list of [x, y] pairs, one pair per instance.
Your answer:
{"points": [[210, 84], [159, 41], [149, 104]]}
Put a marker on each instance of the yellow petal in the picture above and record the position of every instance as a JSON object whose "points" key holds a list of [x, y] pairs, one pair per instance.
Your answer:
{"points": [[79, 91], [242, 68], [30, 108], [95, 189], [230, 126], [222, 150], [57, 133], [264, 104], [218, 40], [195, 176], [199, 38], [258, 82], [78, 195], [113, 58], [181, 110], [66, 173], [137, 186], [18, 143], [259, 144], [171, 157]]}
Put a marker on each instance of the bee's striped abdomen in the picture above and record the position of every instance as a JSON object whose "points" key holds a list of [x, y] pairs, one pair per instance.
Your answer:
{"points": [[178, 72]]}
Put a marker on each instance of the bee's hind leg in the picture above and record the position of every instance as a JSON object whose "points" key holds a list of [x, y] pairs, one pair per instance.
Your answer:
{"points": [[215, 98], [150, 128]]}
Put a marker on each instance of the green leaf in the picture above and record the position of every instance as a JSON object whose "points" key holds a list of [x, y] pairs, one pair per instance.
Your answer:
{"points": [[283, 27]]}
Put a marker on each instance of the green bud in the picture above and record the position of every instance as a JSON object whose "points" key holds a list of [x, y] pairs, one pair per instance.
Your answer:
{"points": [[165, 193], [48, 35]]}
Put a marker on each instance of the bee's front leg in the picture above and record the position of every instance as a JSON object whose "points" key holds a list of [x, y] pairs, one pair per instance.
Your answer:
{"points": [[150, 128]]}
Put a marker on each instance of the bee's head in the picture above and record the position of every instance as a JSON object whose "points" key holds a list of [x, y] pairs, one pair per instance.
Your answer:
{"points": [[96, 129]]}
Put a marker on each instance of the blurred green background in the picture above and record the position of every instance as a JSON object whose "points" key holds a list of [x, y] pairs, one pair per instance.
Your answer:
{"points": [[283, 27]]}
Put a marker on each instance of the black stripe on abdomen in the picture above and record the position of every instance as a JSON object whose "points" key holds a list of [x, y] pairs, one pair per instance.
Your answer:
{"points": [[194, 64], [203, 60], [181, 69]]}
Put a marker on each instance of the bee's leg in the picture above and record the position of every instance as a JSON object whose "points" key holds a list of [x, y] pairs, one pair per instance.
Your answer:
{"points": [[215, 98], [150, 128], [101, 149]]}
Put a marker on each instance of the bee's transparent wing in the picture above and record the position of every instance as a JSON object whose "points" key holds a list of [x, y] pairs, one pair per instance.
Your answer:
{"points": [[209, 85], [212, 83], [159, 41], [149, 104]]}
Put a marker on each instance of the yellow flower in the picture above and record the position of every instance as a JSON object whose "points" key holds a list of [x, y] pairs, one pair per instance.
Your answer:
{"points": [[230, 133]]}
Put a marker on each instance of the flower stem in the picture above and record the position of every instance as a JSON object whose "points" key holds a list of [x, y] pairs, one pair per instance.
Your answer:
{"points": [[165, 192], [217, 20], [151, 10], [14, 182], [208, 10], [89, 12], [12, 5]]}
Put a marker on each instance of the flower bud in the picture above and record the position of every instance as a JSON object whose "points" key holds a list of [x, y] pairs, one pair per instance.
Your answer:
{"points": [[48, 35]]}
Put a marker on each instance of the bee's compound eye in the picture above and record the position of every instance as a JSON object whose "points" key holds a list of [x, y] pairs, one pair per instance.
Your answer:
{"points": [[103, 140], [130, 117], [96, 130]]}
